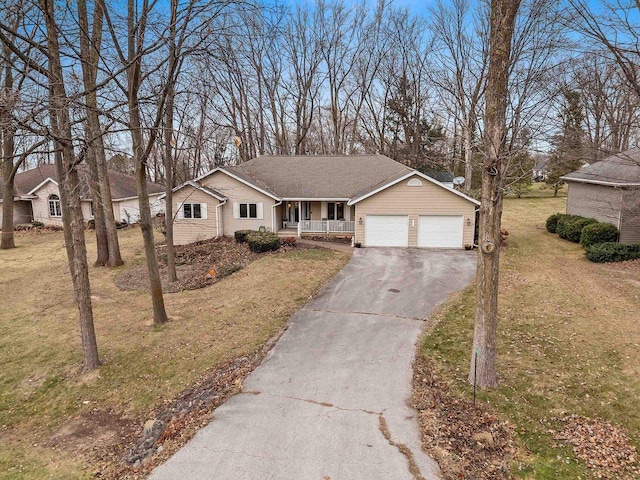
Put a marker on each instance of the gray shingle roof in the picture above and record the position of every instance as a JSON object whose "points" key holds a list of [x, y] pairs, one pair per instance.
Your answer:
{"points": [[334, 176], [122, 186], [622, 169]]}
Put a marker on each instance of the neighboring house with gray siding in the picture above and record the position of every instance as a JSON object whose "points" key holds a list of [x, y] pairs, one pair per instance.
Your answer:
{"points": [[37, 197], [372, 198], [609, 191]]}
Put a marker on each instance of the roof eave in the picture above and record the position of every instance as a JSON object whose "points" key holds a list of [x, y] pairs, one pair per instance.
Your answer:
{"points": [[599, 182], [241, 180], [191, 183]]}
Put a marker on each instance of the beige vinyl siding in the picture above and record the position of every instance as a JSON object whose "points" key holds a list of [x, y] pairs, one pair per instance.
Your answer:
{"points": [[21, 212], [86, 210], [189, 230], [129, 210], [630, 230], [238, 192], [41, 205], [429, 199], [594, 201]]}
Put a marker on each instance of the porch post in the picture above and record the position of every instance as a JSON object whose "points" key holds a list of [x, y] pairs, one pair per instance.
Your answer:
{"points": [[299, 218]]}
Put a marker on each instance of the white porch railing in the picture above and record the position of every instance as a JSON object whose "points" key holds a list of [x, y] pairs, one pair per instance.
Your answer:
{"points": [[327, 226]]}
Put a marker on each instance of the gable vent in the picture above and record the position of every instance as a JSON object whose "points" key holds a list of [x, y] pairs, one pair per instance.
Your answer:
{"points": [[414, 182]]}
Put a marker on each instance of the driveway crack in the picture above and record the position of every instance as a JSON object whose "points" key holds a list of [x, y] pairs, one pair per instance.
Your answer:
{"points": [[314, 402], [402, 448], [365, 313]]}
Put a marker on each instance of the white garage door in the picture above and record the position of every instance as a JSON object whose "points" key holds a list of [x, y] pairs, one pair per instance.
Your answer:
{"points": [[386, 231], [440, 231]]}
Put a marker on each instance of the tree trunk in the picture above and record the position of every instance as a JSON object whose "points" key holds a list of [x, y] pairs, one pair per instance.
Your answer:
{"points": [[90, 47], [135, 31], [468, 158], [102, 256], [68, 182], [168, 149], [483, 367], [7, 241], [8, 151]]}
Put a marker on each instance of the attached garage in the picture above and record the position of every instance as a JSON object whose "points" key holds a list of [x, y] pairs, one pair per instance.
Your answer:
{"points": [[387, 231], [440, 231], [414, 211]]}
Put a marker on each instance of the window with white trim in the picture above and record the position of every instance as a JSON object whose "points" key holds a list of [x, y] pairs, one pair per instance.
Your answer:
{"points": [[55, 210], [248, 210], [192, 210]]}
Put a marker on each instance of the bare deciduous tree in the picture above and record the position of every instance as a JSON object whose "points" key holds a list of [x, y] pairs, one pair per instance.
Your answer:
{"points": [[502, 26]]}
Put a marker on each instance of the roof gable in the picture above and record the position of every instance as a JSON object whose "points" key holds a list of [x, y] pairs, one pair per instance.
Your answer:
{"points": [[203, 188], [384, 186]]}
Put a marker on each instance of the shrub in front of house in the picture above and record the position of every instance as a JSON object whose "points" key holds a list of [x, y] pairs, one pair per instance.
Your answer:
{"points": [[552, 221], [612, 252], [289, 241], [571, 228], [600, 232], [241, 235], [263, 242]]}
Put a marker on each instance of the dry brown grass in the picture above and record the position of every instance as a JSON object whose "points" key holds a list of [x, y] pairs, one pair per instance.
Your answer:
{"points": [[569, 338], [42, 392]]}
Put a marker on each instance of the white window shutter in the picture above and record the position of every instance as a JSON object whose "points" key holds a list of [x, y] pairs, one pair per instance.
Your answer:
{"points": [[236, 210], [203, 210], [180, 211], [260, 210]]}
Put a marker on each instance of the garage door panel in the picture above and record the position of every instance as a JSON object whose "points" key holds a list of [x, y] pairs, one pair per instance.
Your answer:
{"points": [[387, 231], [440, 231]]}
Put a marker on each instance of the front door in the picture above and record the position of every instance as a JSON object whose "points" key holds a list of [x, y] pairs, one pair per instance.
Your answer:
{"points": [[294, 213]]}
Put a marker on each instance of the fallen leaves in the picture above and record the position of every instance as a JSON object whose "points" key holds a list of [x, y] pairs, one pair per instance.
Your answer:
{"points": [[605, 448], [467, 441]]}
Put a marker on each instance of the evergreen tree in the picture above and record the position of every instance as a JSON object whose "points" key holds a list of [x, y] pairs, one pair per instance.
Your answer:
{"points": [[568, 154]]}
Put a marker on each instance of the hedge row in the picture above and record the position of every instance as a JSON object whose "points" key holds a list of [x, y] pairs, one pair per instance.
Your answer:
{"points": [[598, 238], [577, 229], [612, 252], [599, 232]]}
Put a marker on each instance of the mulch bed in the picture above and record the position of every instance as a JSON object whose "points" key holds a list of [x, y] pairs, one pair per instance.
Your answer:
{"points": [[467, 441], [329, 238], [605, 448], [194, 265]]}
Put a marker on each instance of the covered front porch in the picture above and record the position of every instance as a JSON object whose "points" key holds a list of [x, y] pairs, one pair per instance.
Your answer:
{"points": [[319, 216]]}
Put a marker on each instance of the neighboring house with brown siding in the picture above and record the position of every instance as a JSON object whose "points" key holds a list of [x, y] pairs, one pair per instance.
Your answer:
{"points": [[373, 198], [37, 197], [609, 191]]}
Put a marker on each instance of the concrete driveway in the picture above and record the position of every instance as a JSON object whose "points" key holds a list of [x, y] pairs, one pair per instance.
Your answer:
{"points": [[332, 398]]}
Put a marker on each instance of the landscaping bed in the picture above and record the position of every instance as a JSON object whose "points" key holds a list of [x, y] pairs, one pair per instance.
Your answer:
{"points": [[329, 238], [198, 265], [194, 265]]}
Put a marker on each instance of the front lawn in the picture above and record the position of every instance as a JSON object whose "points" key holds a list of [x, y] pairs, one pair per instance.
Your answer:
{"points": [[568, 343], [56, 422]]}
